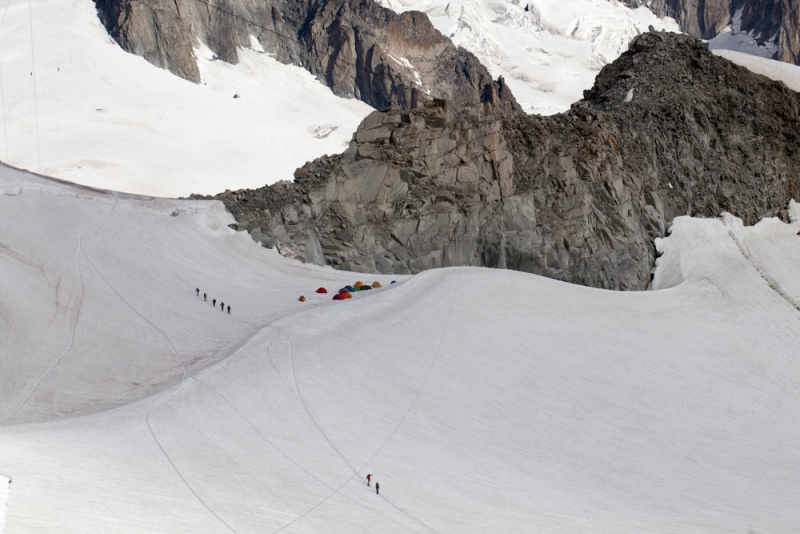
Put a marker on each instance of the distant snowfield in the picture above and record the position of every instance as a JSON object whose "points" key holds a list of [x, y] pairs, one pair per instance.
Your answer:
{"points": [[481, 400], [548, 51], [76, 106]]}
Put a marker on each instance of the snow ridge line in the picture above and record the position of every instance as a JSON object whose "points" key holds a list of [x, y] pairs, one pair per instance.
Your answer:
{"points": [[172, 464], [93, 224], [771, 282]]}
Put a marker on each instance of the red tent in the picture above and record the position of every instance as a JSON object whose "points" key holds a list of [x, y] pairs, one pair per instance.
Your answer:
{"points": [[322, 290]]}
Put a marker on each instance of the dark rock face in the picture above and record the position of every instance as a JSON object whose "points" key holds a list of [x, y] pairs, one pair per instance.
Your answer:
{"points": [[356, 47], [701, 18], [578, 196], [776, 21]]}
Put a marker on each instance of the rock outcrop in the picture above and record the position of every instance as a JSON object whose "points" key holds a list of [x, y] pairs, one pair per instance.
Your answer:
{"points": [[356, 47], [775, 21], [668, 129]]}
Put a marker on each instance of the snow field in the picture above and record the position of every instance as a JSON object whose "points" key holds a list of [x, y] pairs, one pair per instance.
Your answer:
{"points": [[481, 400], [548, 51], [77, 107], [5, 483]]}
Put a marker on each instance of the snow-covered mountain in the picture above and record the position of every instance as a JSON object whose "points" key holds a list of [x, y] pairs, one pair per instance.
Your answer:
{"points": [[479, 399], [76, 106], [548, 51]]}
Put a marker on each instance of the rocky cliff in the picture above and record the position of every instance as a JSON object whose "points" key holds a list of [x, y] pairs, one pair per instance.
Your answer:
{"points": [[776, 21], [356, 47], [668, 129]]}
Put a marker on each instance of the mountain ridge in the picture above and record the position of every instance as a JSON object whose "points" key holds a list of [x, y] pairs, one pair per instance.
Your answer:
{"points": [[669, 129], [356, 47]]}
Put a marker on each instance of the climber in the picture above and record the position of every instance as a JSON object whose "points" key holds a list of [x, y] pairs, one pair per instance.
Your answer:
{"points": [[205, 297], [222, 306], [197, 291], [214, 302], [369, 477], [229, 310], [377, 488]]}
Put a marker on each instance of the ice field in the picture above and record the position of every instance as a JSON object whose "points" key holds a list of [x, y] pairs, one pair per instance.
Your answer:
{"points": [[481, 400]]}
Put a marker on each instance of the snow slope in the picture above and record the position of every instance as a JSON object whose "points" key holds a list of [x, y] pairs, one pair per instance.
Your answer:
{"points": [[548, 51], [76, 106], [481, 400], [5, 484]]}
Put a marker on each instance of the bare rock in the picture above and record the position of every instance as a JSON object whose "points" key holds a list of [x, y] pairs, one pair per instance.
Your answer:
{"points": [[358, 48], [579, 196]]}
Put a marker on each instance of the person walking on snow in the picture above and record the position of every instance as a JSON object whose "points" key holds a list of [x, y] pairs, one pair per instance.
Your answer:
{"points": [[229, 310], [369, 477], [222, 306], [377, 488], [205, 297], [197, 291], [214, 302]]}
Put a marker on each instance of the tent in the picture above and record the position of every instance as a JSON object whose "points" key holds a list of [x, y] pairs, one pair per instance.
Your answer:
{"points": [[349, 288], [376, 285], [302, 298], [358, 284], [346, 295], [338, 296], [322, 290]]}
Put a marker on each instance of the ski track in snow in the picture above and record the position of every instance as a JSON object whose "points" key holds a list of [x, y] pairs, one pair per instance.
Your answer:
{"points": [[172, 464], [131, 307], [79, 252], [356, 472]]}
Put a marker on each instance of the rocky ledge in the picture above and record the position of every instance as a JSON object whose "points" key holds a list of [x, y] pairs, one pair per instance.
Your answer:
{"points": [[668, 129]]}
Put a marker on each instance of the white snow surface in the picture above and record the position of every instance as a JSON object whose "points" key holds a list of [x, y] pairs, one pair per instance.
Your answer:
{"points": [[481, 400], [4, 488], [76, 106], [776, 70], [733, 38], [549, 54]]}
